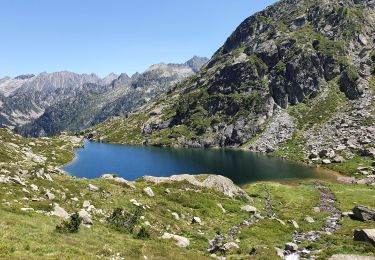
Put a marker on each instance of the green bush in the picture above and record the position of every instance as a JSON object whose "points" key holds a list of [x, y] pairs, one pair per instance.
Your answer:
{"points": [[125, 220], [71, 226], [372, 55], [351, 73], [143, 233]]}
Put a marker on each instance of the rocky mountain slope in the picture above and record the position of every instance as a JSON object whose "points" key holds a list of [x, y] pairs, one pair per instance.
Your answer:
{"points": [[295, 80], [53, 102]]}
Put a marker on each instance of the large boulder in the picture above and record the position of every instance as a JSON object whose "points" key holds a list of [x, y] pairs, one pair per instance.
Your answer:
{"points": [[250, 209], [86, 218], [224, 185], [365, 235], [230, 246], [364, 214], [180, 241], [117, 179], [216, 182], [60, 212]]}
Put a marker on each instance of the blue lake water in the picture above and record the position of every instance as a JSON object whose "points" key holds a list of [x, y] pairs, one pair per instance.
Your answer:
{"points": [[133, 162]]}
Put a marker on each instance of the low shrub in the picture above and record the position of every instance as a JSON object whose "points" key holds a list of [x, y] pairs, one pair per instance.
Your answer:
{"points": [[71, 226], [124, 220], [143, 233]]}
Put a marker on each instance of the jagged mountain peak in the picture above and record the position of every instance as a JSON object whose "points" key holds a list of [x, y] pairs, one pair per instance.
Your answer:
{"points": [[25, 76], [196, 63]]}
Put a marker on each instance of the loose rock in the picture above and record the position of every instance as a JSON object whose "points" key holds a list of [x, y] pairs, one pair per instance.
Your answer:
{"points": [[93, 188], [180, 241], [149, 192], [365, 235], [250, 209], [364, 214]]}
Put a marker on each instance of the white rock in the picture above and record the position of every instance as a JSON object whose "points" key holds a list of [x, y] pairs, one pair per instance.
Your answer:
{"points": [[34, 187], [60, 212], [149, 192], [17, 180], [291, 247], [280, 221], [107, 176], [250, 209], [326, 161], [221, 207], [93, 188], [176, 216], [86, 218], [294, 223], [50, 195], [27, 209], [309, 219], [180, 241], [196, 220], [136, 203], [230, 246], [86, 204]]}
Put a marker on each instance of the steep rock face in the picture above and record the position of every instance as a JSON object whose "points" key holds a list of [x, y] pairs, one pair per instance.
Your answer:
{"points": [[288, 54], [71, 102]]}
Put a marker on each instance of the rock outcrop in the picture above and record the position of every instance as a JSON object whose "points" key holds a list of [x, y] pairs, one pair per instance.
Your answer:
{"points": [[217, 182]]}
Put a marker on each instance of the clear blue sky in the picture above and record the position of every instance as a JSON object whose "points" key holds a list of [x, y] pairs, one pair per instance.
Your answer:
{"points": [[106, 36]]}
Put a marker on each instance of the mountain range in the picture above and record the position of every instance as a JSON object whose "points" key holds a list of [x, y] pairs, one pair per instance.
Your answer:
{"points": [[49, 103]]}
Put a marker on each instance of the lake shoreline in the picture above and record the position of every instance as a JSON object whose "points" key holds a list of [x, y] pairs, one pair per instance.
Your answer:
{"points": [[325, 174]]}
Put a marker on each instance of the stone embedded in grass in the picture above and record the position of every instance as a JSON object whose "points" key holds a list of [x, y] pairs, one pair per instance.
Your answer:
{"points": [[93, 188], [86, 218], [34, 187], [86, 204], [217, 182], [365, 235], [180, 241], [27, 209], [117, 179], [196, 220], [149, 192], [280, 221], [230, 246], [316, 209], [60, 212], [294, 223], [221, 207], [50, 195], [135, 203], [176, 216], [309, 219], [363, 213], [17, 180], [250, 209], [291, 247]]}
